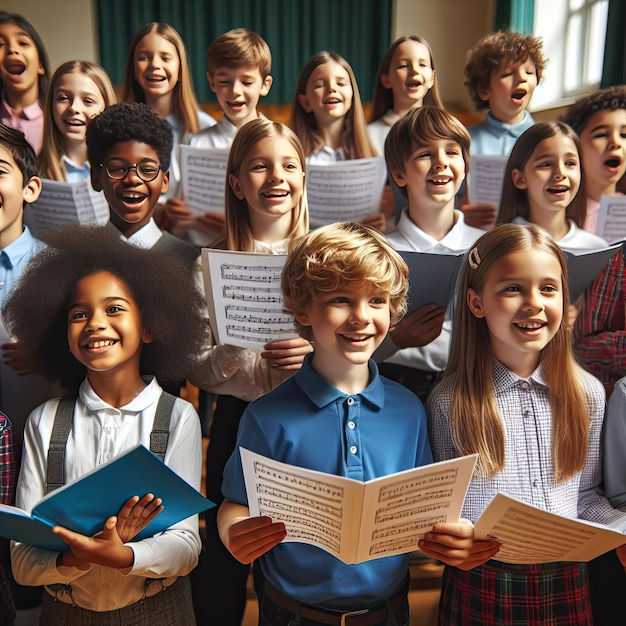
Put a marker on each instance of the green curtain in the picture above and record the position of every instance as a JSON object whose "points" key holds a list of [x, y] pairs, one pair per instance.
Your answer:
{"points": [[359, 30], [517, 15], [614, 67]]}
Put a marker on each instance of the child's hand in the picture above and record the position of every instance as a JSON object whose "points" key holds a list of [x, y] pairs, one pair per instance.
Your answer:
{"points": [[210, 223], [287, 354], [419, 328], [481, 216], [177, 213], [136, 514], [453, 543], [106, 548], [387, 203], [19, 360], [376, 220], [252, 537]]}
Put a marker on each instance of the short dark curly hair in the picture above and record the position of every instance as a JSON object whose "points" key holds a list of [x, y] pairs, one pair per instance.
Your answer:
{"points": [[128, 121], [497, 51], [172, 308], [610, 99], [21, 151]]}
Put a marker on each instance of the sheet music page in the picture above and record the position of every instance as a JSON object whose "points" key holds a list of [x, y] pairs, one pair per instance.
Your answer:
{"points": [[531, 535], [346, 191], [386, 516], [203, 174], [486, 178], [62, 203], [244, 298], [612, 218]]}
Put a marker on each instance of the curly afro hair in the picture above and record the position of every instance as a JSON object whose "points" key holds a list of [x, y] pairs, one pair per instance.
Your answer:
{"points": [[171, 306], [128, 121], [610, 99]]}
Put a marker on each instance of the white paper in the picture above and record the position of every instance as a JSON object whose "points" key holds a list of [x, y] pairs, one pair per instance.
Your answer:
{"points": [[66, 203], [612, 218], [352, 520], [244, 298], [203, 176], [530, 535], [346, 191], [486, 178]]}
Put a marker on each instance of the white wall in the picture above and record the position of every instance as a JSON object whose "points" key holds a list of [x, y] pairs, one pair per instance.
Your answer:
{"points": [[67, 27], [451, 27]]}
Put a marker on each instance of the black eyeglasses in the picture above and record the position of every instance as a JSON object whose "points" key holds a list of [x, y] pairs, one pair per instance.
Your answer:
{"points": [[146, 169]]}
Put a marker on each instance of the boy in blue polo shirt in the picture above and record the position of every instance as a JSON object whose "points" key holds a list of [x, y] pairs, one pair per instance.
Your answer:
{"points": [[345, 285]]}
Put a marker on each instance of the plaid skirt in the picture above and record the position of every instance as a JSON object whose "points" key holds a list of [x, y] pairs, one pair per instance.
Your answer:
{"points": [[170, 607], [499, 594]]}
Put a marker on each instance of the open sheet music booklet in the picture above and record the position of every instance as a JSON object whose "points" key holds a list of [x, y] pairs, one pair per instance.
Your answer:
{"points": [[352, 520], [85, 504]]}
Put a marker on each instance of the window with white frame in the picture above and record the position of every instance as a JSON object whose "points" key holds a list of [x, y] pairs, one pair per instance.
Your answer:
{"points": [[573, 34]]}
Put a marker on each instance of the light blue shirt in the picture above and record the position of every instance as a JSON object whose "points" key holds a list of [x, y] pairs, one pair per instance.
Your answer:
{"points": [[310, 423], [494, 137]]}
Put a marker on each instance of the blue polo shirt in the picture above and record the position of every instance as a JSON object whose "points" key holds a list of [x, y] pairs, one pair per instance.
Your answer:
{"points": [[309, 423], [495, 137]]}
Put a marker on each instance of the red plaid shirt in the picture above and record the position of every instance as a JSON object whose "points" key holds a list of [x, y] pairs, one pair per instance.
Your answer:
{"points": [[8, 461], [600, 330]]}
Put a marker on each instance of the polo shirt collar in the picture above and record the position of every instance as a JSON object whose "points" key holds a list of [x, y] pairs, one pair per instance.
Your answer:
{"points": [[497, 128], [141, 402], [322, 393], [15, 251], [30, 112]]}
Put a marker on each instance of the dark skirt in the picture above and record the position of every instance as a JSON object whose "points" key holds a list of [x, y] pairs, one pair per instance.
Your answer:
{"points": [[499, 594], [170, 607]]}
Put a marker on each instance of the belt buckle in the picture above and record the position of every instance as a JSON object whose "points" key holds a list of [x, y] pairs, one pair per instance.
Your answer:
{"points": [[342, 619]]}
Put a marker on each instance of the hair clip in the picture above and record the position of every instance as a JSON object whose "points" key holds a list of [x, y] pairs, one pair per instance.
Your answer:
{"points": [[473, 258]]}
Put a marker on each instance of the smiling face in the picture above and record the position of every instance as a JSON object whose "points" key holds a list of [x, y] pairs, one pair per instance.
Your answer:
{"points": [[432, 175], [522, 304], [271, 180], [410, 75], [132, 200], [157, 66], [510, 90], [347, 326], [14, 192], [603, 143], [238, 90], [328, 93], [104, 330], [75, 101], [20, 67], [551, 176]]}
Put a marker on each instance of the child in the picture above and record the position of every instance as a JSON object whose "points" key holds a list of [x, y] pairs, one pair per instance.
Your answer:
{"points": [[239, 63], [265, 209], [345, 286], [514, 394], [23, 77], [427, 154], [328, 116], [600, 121], [78, 91], [543, 185], [123, 312], [157, 73], [501, 74], [22, 389], [406, 79]]}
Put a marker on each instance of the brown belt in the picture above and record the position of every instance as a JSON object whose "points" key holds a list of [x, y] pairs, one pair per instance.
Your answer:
{"points": [[377, 614]]}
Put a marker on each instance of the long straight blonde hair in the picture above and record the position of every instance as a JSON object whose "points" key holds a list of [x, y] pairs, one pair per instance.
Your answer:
{"points": [[476, 423]]}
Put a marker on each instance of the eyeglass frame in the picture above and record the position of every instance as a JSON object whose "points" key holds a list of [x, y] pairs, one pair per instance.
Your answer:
{"points": [[132, 167]]}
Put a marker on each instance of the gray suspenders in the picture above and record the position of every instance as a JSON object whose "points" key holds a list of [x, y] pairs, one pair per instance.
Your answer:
{"points": [[55, 475]]}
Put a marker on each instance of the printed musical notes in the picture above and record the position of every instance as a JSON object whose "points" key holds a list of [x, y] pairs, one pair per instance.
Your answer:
{"points": [[346, 191], [203, 175], [530, 535], [612, 218], [244, 298], [486, 178], [352, 520], [66, 203]]}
